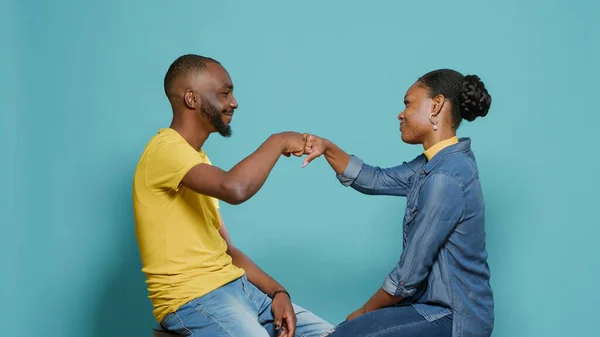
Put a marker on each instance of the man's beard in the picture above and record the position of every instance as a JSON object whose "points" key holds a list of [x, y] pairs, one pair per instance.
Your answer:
{"points": [[215, 118]]}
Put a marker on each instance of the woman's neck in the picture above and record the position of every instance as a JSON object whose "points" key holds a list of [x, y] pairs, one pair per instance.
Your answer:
{"points": [[438, 136]]}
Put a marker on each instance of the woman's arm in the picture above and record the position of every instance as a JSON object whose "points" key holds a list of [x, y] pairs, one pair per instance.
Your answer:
{"points": [[439, 209], [352, 171], [336, 157]]}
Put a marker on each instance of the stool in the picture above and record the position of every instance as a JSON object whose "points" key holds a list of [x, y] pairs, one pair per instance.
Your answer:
{"points": [[158, 332]]}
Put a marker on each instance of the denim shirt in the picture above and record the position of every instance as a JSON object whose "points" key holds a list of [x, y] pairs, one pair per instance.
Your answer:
{"points": [[443, 267]]}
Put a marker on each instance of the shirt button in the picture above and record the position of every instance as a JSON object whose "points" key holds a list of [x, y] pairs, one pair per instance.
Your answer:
{"points": [[422, 171], [402, 283]]}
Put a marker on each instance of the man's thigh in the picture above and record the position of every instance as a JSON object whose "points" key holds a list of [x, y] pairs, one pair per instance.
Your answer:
{"points": [[227, 311]]}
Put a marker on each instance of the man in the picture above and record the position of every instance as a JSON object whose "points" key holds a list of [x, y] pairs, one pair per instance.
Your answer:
{"points": [[199, 283]]}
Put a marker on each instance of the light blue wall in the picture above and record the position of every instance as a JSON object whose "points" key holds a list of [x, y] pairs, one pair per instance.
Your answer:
{"points": [[82, 93]]}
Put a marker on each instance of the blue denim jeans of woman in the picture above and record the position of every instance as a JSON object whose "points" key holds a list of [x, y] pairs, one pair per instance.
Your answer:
{"points": [[404, 321]]}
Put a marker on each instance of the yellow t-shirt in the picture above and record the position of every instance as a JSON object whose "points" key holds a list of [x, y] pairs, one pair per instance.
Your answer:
{"points": [[183, 255], [432, 151]]}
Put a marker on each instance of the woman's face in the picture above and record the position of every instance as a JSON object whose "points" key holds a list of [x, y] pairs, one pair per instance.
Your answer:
{"points": [[414, 120]]}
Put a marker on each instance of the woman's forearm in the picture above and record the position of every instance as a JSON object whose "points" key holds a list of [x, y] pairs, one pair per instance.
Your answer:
{"points": [[381, 299], [336, 157]]}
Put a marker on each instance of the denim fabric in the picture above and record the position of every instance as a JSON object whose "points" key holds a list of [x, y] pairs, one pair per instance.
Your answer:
{"points": [[402, 321], [237, 309], [444, 259]]}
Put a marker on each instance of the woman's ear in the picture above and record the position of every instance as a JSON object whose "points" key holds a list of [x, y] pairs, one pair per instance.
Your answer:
{"points": [[438, 104]]}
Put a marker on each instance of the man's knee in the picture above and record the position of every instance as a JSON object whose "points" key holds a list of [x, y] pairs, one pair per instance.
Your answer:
{"points": [[309, 324]]}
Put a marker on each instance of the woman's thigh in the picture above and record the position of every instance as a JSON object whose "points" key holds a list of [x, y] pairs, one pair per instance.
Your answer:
{"points": [[402, 321]]}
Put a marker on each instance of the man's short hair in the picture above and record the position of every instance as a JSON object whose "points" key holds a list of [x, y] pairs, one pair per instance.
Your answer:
{"points": [[182, 66]]}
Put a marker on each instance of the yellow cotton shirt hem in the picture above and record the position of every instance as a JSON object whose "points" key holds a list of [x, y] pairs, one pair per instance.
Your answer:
{"points": [[432, 151], [182, 252], [163, 308]]}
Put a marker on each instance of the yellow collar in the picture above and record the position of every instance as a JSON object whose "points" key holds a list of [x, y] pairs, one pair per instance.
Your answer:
{"points": [[432, 151]]}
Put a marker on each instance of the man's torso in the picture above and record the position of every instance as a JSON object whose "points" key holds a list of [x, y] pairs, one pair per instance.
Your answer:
{"points": [[183, 255]]}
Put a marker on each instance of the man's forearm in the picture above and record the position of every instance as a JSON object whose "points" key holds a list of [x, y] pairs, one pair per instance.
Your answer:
{"points": [[259, 278], [249, 175], [336, 157], [381, 299]]}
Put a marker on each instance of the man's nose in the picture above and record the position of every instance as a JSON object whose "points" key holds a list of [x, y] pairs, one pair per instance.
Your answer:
{"points": [[233, 103]]}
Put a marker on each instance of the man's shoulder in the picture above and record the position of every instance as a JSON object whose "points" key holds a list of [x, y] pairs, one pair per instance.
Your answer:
{"points": [[166, 144], [162, 151], [165, 137]]}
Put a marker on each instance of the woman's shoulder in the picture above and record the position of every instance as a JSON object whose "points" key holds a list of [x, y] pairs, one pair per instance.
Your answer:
{"points": [[459, 165]]}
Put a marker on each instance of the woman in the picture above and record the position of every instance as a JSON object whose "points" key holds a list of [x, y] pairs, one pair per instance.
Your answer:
{"points": [[440, 287]]}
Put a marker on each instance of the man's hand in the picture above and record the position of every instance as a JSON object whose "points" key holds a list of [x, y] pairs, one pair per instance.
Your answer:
{"points": [[314, 147], [357, 313], [283, 315], [293, 143]]}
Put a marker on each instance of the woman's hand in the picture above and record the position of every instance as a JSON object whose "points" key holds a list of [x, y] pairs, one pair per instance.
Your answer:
{"points": [[356, 314], [314, 146]]}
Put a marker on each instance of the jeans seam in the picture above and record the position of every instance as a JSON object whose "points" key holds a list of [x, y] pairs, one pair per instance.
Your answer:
{"points": [[182, 325], [378, 333], [246, 290], [201, 309], [298, 334]]}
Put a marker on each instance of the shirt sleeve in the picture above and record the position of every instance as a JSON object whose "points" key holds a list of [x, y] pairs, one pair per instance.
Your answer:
{"points": [[374, 180], [214, 200], [168, 162], [440, 207]]}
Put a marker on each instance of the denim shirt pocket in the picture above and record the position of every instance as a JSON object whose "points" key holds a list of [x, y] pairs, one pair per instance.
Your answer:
{"points": [[409, 216]]}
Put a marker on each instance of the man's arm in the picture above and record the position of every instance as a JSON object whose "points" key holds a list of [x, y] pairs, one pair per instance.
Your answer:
{"points": [[248, 176], [257, 276], [283, 311]]}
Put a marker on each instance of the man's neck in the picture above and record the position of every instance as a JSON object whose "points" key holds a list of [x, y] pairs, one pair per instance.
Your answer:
{"points": [[189, 131]]}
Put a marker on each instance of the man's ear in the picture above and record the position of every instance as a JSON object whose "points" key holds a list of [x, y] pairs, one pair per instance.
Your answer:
{"points": [[191, 99]]}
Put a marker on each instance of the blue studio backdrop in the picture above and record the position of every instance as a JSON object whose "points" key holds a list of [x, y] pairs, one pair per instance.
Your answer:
{"points": [[81, 94]]}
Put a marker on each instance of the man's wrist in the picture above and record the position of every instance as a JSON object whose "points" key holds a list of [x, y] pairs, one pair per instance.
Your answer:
{"points": [[326, 145], [280, 292], [279, 139]]}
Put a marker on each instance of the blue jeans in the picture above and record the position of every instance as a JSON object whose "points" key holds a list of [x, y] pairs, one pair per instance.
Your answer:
{"points": [[237, 309], [403, 321]]}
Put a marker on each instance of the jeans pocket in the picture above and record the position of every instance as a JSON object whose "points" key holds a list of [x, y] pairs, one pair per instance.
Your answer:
{"points": [[188, 317], [167, 320], [245, 287]]}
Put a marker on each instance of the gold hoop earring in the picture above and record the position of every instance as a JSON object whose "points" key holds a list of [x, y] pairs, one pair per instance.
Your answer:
{"points": [[435, 127]]}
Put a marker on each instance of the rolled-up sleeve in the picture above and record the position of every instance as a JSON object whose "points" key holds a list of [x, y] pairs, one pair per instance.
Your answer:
{"points": [[439, 209], [374, 180], [351, 172]]}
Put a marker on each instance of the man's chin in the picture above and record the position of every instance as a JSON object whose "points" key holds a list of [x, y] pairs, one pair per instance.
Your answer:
{"points": [[221, 128], [225, 132]]}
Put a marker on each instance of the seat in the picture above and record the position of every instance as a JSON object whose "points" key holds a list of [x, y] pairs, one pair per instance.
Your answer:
{"points": [[159, 332]]}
